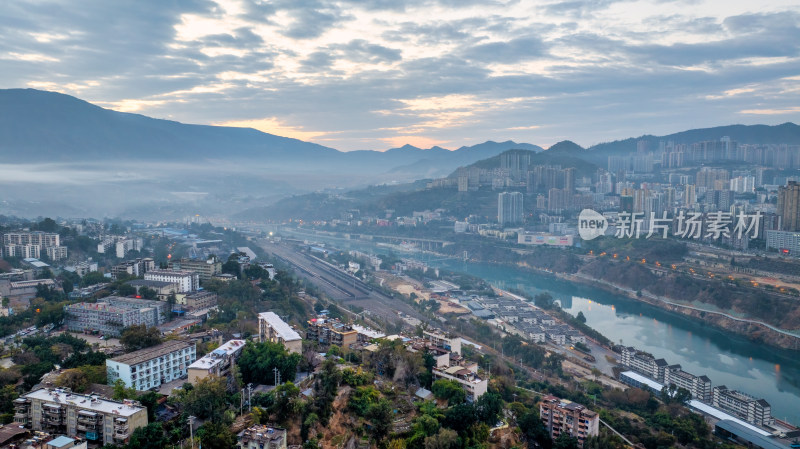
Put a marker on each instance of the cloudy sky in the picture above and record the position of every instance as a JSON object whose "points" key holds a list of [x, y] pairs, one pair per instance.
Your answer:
{"points": [[376, 74]]}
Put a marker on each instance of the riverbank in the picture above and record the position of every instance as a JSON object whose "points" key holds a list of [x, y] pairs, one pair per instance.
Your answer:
{"points": [[754, 330]]}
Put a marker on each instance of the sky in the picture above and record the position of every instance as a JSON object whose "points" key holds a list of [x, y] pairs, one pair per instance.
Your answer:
{"points": [[356, 75]]}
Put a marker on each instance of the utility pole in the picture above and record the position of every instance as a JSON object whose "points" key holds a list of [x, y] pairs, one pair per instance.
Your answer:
{"points": [[250, 397], [191, 430], [277, 376]]}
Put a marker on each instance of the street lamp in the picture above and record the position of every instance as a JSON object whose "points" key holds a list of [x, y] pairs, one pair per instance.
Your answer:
{"points": [[191, 430]]}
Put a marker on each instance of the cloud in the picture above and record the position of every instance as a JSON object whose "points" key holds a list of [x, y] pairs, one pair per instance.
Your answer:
{"points": [[273, 125], [361, 75], [791, 110], [512, 51]]}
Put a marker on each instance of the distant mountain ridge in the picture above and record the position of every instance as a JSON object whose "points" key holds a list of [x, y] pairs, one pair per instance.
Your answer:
{"points": [[785, 133], [62, 128]]}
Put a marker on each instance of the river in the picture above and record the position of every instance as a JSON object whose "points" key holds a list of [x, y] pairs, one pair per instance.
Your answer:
{"points": [[727, 359]]}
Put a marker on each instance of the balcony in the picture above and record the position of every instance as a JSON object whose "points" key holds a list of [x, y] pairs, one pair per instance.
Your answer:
{"points": [[121, 435]]}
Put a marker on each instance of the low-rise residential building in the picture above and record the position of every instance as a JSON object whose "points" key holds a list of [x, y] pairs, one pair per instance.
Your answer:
{"points": [[272, 328], [217, 363], [698, 386], [112, 314], [262, 437], [644, 363], [742, 405], [150, 367], [83, 268], [136, 267], [65, 442], [560, 416], [450, 342], [188, 281], [366, 334], [179, 326], [331, 332], [787, 242], [23, 290], [468, 378], [205, 269], [59, 411], [201, 299], [163, 289]]}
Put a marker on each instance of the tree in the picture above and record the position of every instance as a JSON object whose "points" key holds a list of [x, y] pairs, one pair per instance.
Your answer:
{"points": [[139, 336], [544, 300], [207, 400], [150, 436], [95, 277], [232, 265], [126, 290], [258, 360], [326, 385], [449, 390], [47, 225], [531, 425], [488, 408], [122, 392], [444, 439], [565, 441], [380, 415], [217, 435], [148, 293], [286, 401], [581, 318]]}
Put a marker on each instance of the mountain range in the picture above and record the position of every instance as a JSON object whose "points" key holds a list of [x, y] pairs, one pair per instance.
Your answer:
{"points": [[102, 162]]}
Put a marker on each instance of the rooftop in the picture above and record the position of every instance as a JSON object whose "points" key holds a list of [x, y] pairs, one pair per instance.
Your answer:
{"points": [[62, 441], [643, 380], [146, 354], [151, 284], [371, 333], [263, 433], [758, 439], [722, 416], [169, 273], [216, 356], [95, 404], [283, 330]]}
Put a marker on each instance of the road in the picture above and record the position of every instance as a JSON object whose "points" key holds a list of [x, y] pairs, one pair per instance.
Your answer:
{"points": [[338, 285]]}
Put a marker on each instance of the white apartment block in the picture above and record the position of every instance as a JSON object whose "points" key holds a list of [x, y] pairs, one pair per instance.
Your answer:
{"points": [[698, 386], [151, 367], [272, 328], [43, 239], [744, 406], [105, 245], [217, 363], [57, 411], [23, 251], [188, 281], [56, 253], [122, 247]]}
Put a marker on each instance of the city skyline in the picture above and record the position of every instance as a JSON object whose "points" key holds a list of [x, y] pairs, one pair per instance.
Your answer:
{"points": [[353, 76]]}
